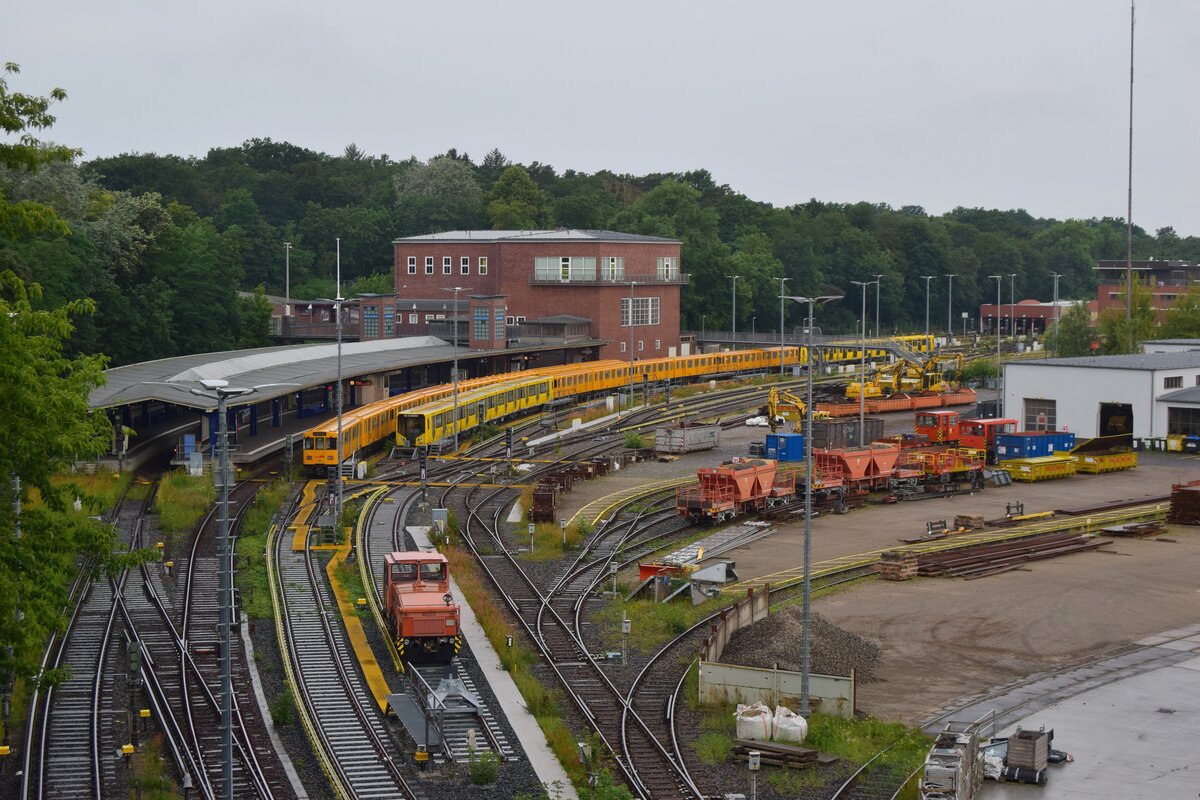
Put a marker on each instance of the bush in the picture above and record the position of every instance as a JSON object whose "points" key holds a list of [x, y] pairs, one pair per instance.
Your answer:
{"points": [[283, 707], [483, 767], [634, 441]]}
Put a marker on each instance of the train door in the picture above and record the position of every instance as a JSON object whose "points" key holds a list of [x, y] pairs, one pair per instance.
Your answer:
{"points": [[1116, 419]]}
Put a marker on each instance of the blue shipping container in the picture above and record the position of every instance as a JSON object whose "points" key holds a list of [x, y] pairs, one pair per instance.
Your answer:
{"points": [[1032, 444], [785, 446]]}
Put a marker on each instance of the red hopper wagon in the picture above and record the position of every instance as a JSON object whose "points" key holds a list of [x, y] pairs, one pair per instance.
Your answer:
{"points": [[734, 488]]}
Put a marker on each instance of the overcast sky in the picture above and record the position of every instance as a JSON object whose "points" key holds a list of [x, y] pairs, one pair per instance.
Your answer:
{"points": [[1015, 104]]}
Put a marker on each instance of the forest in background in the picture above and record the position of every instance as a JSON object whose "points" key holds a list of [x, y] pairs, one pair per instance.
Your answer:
{"points": [[163, 243]]}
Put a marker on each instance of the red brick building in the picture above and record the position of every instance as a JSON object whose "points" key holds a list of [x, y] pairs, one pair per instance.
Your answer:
{"points": [[1167, 281], [603, 280]]}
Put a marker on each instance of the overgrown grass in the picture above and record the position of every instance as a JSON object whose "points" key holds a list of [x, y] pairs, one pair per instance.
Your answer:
{"points": [[713, 748], [548, 541], [351, 580], [795, 781], [654, 624], [857, 740], [183, 500], [99, 492], [251, 550], [148, 773]]}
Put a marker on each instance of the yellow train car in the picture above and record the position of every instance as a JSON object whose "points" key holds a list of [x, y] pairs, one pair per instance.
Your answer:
{"points": [[434, 422]]}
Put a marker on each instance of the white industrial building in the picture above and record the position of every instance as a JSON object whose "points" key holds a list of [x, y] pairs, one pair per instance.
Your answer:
{"points": [[1171, 345], [1150, 395]]}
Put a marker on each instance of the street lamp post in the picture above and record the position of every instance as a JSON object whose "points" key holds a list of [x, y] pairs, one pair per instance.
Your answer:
{"points": [[862, 368], [1056, 276], [287, 279], [753, 329], [337, 304], [733, 321], [927, 278], [950, 310], [631, 285], [808, 435], [999, 371], [782, 281], [454, 377], [878, 291], [1012, 305]]}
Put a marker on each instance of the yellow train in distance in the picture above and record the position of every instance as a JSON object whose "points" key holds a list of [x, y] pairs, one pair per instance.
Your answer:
{"points": [[425, 416]]}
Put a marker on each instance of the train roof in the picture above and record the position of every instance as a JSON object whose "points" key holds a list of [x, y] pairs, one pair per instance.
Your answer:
{"points": [[468, 397], [408, 556]]}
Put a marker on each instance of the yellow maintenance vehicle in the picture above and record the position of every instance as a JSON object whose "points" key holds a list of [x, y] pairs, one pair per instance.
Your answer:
{"points": [[780, 399], [887, 380]]}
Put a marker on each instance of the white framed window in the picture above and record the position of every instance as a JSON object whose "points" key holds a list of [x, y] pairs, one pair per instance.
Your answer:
{"points": [[520, 319], [668, 268], [412, 265], [429, 318], [428, 265], [622, 347], [412, 319], [564, 268], [447, 265], [1173, 382], [641, 345], [483, 265], [464, 265], [658, 344], [441, 316], [612, 268], [510, 320], [645, 311]]}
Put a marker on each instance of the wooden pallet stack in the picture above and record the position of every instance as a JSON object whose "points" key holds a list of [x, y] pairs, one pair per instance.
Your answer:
{"points": [[897, 565]]}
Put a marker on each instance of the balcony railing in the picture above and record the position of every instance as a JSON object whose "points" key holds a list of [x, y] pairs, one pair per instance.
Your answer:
{"points": [[678, 278]]}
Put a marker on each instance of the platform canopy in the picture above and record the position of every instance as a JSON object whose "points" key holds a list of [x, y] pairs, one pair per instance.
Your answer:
{"points": [[170, 380]]}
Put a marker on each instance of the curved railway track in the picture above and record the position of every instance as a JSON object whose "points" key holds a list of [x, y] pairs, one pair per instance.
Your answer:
{"points": [[337, 708]]}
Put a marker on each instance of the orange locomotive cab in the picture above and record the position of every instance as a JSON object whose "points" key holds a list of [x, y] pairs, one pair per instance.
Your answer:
{"points": [[422, 616]]}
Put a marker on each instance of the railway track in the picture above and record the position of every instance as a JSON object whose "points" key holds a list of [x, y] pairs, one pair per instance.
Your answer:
{"points": [[336, 708]]}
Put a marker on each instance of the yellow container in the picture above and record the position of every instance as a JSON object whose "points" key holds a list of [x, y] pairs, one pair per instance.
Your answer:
{"points": [[1175, 443], [1043, 468], [1095, 463]]}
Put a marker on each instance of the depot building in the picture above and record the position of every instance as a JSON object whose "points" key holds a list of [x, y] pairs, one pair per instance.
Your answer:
{"points": [[1150, 395]]}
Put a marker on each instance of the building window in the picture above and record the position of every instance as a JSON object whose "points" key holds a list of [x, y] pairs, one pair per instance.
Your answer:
{"points": [[520, 319], [641, 345], [370, 322], [412, 265], [464, 265], [412, 319], [389, 321], [479, 324], [447, 265], [428, 265], [483, 265], [1041, 415], [1173, 382], [564, 268], [511, 320], [658, 344], [498, 326], [668, 268], [428, 318], [645, 311], [1183, 421], [622, 347], [612, 268]]}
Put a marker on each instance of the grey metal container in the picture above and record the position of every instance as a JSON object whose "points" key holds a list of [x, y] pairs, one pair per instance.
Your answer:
{"points": [[846, 432], [687, 439]]}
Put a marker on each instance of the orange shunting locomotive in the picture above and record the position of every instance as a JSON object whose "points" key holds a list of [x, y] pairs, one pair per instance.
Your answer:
{"points": [[422, 615]]}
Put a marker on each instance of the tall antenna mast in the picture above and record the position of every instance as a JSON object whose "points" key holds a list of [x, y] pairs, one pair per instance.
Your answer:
{"points": [[1129, 192]]}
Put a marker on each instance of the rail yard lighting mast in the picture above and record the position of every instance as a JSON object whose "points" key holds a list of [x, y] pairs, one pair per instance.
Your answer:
{"points": [[927, 279], [782, 281], [1012, 305], [454, 377], [862, 351], [733, 319], [878, 291], [808, 435], [287, 279], [1056, 276], [950, 310], [999, 370], [337, 304]]}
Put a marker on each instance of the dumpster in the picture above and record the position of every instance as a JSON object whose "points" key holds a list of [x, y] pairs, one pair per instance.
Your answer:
{"points": [[1191, 444], [785, 446], [1175, 443]]}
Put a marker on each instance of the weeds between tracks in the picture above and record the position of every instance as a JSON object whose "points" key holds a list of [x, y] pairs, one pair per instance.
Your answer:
{"points": [[251, 572]]}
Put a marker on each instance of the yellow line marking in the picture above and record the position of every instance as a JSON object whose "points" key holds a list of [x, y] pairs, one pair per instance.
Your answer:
{"points": [[354, 629], [956, 541]]}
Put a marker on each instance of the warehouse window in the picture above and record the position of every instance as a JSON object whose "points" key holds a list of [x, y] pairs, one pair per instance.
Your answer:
{"points": [[389, 321], [370, 322], [464, 265], [645, 311], [412, 265], [480, 323], [483, 265], [428, 265], [1173, 382], [1183, 421], [412, 319], [668, 268], [1041, 415], [447, 265], [612, 268], [622, 347]]}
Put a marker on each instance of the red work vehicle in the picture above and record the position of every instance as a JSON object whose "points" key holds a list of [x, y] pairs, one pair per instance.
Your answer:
{"points": [[422, 615], [980, 434]]}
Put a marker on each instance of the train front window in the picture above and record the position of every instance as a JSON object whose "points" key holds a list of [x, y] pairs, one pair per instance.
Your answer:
{"points": [[433, 572], [404, 572], [308, 443], [411, 426]]}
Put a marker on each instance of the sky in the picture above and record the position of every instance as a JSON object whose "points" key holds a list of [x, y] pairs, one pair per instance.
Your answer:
{"points": [[936, 103]]}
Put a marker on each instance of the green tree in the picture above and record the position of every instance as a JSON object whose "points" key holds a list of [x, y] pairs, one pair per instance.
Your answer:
{"points": [[439, 195], [1183, 318], [1121, 335], [46, 424], [254, 319], [1074, 334], [516, 203]]}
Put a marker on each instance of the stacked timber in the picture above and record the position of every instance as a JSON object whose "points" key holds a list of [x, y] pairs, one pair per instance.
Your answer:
{"points": [[1185, 504], [969, 521], [783, 755], [897, 565]]}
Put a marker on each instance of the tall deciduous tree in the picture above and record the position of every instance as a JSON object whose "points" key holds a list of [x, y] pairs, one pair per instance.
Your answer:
{"points": [[439, 195], [516, 203]]}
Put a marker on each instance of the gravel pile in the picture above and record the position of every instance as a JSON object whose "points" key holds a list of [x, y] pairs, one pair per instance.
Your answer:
{"points": [[776, 641]]}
